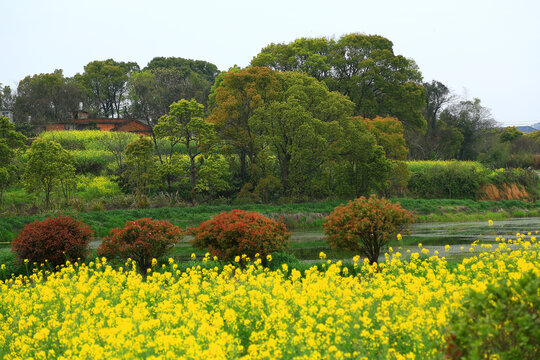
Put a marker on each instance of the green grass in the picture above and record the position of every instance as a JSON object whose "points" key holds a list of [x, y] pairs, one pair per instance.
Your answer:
{"points": [[303, 216]]}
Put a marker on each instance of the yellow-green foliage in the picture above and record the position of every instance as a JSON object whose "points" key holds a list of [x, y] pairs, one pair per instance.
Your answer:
{"points": [[81, 139], [418, 165], [446, 179], [92, 161], [91, 187], [463, 179], [401, 310]]}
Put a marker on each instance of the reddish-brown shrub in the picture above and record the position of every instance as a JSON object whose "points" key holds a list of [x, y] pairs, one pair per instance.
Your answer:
{"points": [[240, 232], [141, 240], [365, 225], [55, 239]]}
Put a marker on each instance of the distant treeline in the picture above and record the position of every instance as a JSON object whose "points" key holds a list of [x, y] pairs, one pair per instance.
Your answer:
{"points": [[310, 119]]}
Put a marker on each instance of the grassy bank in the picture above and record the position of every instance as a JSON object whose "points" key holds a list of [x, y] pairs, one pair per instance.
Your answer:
{"points": [[303, 216]]}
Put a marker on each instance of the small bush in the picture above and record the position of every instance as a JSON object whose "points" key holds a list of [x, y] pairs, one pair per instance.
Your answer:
{"points": [[92, 161], [54, 239], [365, 225], [92, 187], [240, 232], [503, 320], [141, 240]]}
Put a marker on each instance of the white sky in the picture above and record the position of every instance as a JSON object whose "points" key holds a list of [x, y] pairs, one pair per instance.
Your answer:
{"points": [[478, 48]]}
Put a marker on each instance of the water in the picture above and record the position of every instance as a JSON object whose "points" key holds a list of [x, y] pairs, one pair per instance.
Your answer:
{"points": [[434, 236], [467, 232]]}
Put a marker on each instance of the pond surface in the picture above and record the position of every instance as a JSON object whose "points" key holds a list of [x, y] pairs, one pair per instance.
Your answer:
{"points": [[307, 245], [434, 236]]}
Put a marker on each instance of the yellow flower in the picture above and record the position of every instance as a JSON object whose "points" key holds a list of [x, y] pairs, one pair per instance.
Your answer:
{"points": [[193, 256], [154, 262], [237, 259], [490, 222], [322, 255], [399, 237]]}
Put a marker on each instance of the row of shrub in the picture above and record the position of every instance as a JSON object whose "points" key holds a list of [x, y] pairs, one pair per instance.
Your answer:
{"points": [[363, 225], [95, 140], [467, 180]]}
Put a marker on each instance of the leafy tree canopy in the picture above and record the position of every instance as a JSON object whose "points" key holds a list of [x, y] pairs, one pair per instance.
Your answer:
{"points": [[105, 83], [49, 167], [46, 98], [363, 67], [206, 70]]}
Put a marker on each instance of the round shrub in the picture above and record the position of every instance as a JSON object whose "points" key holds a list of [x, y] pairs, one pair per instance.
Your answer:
{"points": [[240, 232], [365, 225], [55, 239], [141, 240], [503, 320]]}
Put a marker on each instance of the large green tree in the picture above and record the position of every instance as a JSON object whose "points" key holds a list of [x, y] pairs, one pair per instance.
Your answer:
{"points": [[7, 98], [105, 83], [11, 143], [184, 124], [296, 135], [140, 167], [441, 140], [295, 123], [361, 166], [363, 67], [239, 95], [49, 168], [165, 81], [471, 119], [203, 69], [46, 98]]}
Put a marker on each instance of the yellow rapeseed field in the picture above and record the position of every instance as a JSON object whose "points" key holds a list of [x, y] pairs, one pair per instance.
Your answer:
{"points": [[400, 311]]}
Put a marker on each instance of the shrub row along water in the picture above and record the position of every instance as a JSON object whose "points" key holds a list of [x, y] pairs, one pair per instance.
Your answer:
{"points": [[294, 215], [469, 180]]}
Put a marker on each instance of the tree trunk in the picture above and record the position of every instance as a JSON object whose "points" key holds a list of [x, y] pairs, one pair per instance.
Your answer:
{"points": [[192, 178]]}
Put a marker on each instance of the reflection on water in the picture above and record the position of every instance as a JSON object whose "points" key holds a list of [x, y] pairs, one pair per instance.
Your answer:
{"points": [[467, 232], [308, 244]]}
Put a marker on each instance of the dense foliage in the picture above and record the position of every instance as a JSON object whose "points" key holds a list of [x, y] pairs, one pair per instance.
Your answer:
{"points": [[365, 225], [53, 240], [500, 319], [11, 142], [469, 180], [141, 240], [317, 118], [363, 67], [239, 232], [49, 168]]}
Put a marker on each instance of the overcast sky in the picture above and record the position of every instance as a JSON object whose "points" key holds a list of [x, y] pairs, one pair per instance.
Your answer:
{"points": [[478, 48]]}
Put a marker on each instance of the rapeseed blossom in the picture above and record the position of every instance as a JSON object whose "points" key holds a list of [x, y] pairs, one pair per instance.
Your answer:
{"points": [[399, 309]]}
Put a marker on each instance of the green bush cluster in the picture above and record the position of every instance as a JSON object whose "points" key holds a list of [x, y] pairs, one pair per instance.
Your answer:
{"points": [[82, 139], [502, 321], [92, 161], [448, 179], [527, 178], [462, 179]]}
